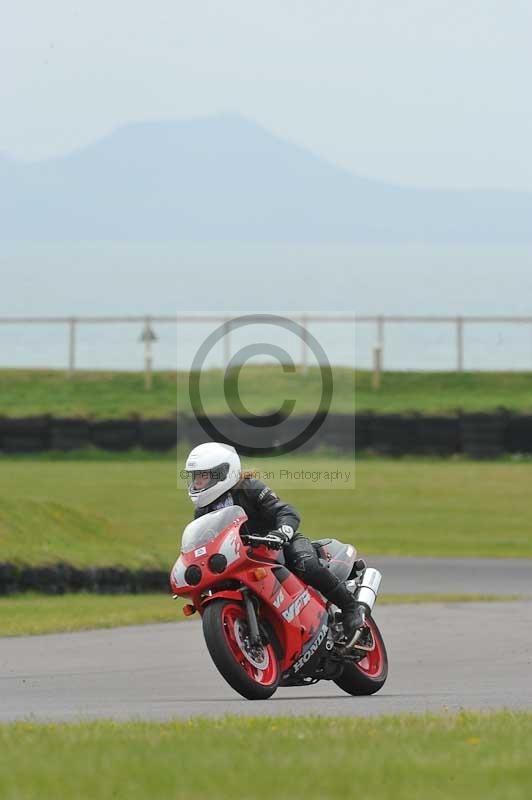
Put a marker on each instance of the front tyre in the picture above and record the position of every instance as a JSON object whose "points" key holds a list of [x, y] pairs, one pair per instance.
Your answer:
{"points": [[252, 672], [369, 674]]}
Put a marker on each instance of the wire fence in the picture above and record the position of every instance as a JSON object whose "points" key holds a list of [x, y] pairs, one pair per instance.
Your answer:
{"points": [[455, 327]]}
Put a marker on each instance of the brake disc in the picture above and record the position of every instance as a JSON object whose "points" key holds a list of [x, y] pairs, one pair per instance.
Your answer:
{"points": [[257, 656]]}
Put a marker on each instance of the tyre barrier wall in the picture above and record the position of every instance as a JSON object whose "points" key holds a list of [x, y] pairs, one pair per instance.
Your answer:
{"points": [[63, 578], [26, 435], [518, 434], [481, 435]]}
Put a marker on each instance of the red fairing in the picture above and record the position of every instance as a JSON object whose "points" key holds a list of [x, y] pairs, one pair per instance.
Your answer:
{"points": [[295, 611]]}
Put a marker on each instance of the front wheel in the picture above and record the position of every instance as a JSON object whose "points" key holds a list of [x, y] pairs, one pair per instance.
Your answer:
{"points": [[252, 672], [369, 674]]}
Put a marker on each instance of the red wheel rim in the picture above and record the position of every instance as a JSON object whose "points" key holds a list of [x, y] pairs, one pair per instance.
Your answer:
{"points": [[373, 662], [232, 617]]}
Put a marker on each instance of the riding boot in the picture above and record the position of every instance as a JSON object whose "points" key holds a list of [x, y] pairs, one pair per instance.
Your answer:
{"points": [[353, 612]]}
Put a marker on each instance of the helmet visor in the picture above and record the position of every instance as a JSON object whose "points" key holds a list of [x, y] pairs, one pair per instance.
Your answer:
{"points": [[200, 480]]}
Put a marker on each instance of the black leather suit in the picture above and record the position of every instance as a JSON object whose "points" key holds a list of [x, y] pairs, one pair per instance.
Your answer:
{"points": [[266, 512]]}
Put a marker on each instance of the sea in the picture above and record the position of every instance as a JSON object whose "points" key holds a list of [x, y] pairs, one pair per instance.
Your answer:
{"points": [[286, 280]]}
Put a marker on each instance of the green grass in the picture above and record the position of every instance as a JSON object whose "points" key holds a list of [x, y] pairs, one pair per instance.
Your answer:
{"points": [[31, 614], [130, 512], [262, 388], [468, 756]]}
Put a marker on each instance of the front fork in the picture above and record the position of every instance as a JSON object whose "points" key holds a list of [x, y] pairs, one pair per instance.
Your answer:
{"points": [[253, 623]]}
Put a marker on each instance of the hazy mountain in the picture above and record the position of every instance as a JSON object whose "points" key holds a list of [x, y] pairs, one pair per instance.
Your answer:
{"points": [[225, 178]]}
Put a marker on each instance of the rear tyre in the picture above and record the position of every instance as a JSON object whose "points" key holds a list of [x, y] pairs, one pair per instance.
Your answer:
{"points": [[255, 674], [369, 674]]}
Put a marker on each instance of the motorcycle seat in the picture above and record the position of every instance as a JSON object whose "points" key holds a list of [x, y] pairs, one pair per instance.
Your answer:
{"points": [[318, 543]]}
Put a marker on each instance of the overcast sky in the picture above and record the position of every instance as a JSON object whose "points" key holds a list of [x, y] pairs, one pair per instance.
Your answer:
{"points": [[421, 92]]}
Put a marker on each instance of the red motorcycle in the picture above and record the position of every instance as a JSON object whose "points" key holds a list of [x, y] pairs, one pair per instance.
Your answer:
{"points": [[264, 627]]}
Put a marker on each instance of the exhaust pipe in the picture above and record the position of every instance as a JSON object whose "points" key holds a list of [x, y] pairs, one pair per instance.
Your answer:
{"points": [[367, 590]]}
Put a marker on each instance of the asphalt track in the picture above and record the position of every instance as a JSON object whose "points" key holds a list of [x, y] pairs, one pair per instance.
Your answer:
{"points": [[442, 656], [502, 576]]}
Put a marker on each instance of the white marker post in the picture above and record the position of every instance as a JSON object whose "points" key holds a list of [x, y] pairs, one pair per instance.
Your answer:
{"points": [[377, 367], [148, 336]]}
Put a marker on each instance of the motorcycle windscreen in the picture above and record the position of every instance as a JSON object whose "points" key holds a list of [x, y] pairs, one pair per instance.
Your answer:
{"points": [[206, 528]]}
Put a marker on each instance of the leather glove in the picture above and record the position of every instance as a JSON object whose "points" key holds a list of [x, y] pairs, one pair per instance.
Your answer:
{"points": [[286, 531], [282, 535]]}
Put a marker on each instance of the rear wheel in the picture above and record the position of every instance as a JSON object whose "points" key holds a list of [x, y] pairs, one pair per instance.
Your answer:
{"points": [[369, 674], [252, 671]]}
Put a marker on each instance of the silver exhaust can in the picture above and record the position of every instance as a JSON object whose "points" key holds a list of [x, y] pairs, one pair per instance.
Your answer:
{"points": [[368, 587]]}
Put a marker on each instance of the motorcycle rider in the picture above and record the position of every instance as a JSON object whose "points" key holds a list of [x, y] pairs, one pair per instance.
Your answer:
{"points": [[216, 481]]}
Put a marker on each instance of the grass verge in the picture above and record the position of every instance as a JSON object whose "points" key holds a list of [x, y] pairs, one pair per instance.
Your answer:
{"points": [[261, 387], [465, 756], [32, 614], [131, 513]]}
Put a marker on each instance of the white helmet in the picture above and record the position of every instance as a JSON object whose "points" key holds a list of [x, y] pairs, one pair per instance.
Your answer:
{"points": [[213, 469]]}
